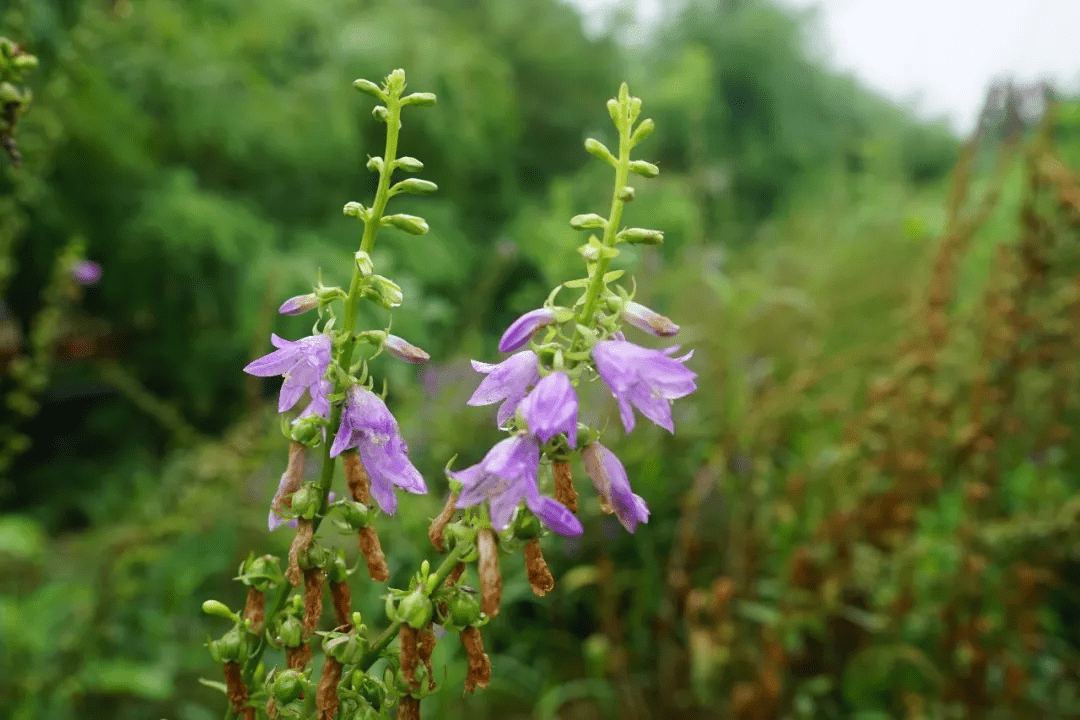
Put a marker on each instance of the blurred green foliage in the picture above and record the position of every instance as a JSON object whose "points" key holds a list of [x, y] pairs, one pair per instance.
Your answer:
{"points": [[203, 149]]}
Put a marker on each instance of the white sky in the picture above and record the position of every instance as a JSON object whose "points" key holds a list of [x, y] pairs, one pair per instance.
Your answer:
{"points": [[937, 55]]}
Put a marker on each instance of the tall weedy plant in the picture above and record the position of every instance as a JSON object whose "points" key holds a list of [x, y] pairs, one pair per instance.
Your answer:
{"points": [[556, 349]]}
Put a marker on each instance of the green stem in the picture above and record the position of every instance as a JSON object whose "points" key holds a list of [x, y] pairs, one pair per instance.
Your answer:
{"points": [[352, 302], [596, 282], [345, 354], [388, 635]]}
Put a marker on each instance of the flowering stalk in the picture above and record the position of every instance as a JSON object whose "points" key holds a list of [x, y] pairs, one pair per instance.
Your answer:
{"points": [[503, 507]]}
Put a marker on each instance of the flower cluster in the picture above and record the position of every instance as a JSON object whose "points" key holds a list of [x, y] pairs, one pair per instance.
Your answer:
{"points": [[536, 385], [553, 350]]}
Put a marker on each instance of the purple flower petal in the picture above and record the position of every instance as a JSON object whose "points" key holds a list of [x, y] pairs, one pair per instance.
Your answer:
{"points": [[299, 305], [303, 364], [609, 478], [552, 408], [507, 381], [642, 378], [403, 350], [502, 478], [648, 320], [552, 513], [367, 424], [521, 330], [86, 272]]}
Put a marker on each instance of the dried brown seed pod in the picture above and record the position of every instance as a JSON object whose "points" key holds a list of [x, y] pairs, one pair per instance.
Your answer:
{"points": [[488, 566], [540, 579]]}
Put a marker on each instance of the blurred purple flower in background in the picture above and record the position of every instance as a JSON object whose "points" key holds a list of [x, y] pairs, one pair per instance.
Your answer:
{"points": [[505, 477], [302, 362], [643, 378], [86, 272], [368, 425]]}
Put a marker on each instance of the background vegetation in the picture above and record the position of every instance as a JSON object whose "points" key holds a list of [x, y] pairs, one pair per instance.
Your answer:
{"points": [[870, 509]]}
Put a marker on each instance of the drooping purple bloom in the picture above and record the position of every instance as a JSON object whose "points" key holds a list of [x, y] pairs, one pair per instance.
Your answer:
{"points": [[368, 425], [505, 477], [521, 330], [552, 408], [609, 478], [404, 350], [648, 320], [303, 363], [646, 379], [86, 272], [299, 305], [507, 381]]}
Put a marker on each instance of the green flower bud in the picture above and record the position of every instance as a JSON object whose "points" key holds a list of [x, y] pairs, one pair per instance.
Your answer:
{"points": [[231, 647], [385, 292], [599, 150], [645, 169], [345, 648], [354, 209], [288, 686], [375, 164], [338, 572], [409, 164], [25, 62], [415, 186], [369, 88], [613, 111], [9, 93], [380, 113], [219, 609], [423, 99], [464, 610], [415, 609], [644, 130], [395, 82], [354, 515], [635, 109], [306, 501], [307, 430], [587, 222], [409, 223], [626, 194], [261, 572], [640, 236], [291, 631], [364, 264]]}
